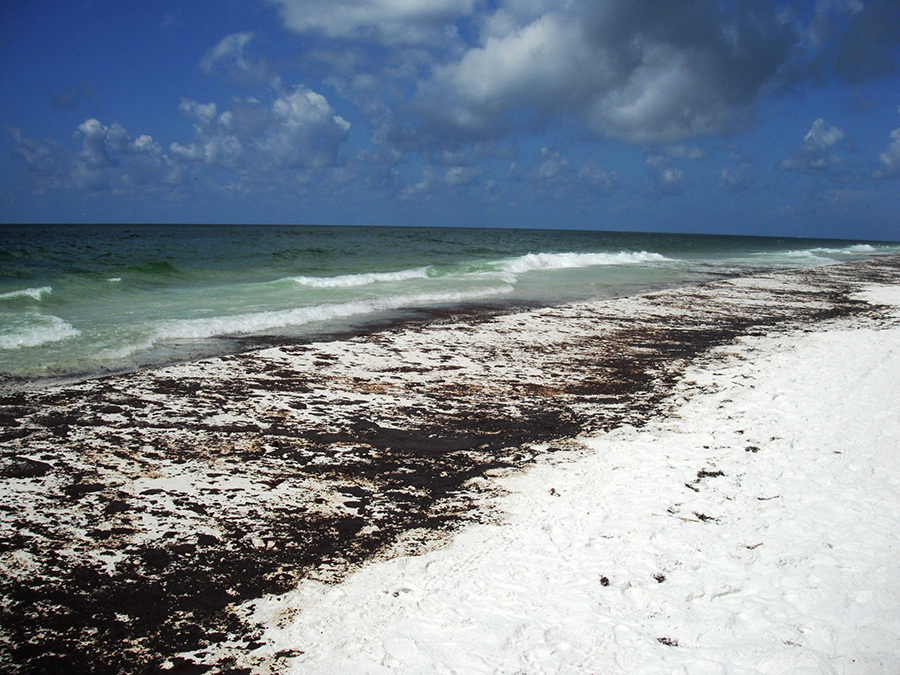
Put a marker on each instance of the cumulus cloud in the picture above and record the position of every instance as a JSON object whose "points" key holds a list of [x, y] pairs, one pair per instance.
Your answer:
{"points": [[299, 130], [101, 144], [816, 155], [422, 189], [734, 180], [111, 159], [452, 73], [684, 152], [294, 137], [598, 179], [552, 167], [642, 71], [217, 141], [669, 180], [229, 57], [389, 21], [304, 131], [555, 175], [821, 137], [533, 65], [890, 158], [45, 163], [458, 81], [461, 176]]}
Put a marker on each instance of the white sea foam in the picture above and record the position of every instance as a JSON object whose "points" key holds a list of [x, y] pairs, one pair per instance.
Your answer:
{"points": [[354, 280], [255, 322], [826, 253], [847, 250], [555, 261], [31, 330], [35, 293]]}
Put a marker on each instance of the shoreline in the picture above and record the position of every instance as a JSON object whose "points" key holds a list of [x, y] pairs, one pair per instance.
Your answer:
{"points": [[148, 506], [752, 529], [411, 318]]}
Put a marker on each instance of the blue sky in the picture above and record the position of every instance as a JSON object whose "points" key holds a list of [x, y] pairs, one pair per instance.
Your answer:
{"points": [[739, 116]]}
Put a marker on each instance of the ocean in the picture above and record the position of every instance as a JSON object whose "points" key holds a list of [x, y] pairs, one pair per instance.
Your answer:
{"points": [[81, 301]]}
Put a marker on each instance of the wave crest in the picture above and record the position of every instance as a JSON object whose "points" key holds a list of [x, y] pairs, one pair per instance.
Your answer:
{"points": [[554, 261], [33, 330], [257, 322], [365, 279], [33, 293]]}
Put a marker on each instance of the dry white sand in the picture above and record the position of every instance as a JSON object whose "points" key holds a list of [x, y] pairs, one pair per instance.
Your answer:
{"points": [[756, 529]]}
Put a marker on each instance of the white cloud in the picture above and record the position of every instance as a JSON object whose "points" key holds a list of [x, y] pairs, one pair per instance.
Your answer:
{"points": [[45, 163], [602, 181], [541, 64], [217, 144], [299, 130], [642, 71], [229, 57], [664, 100], [296, 137], [815, 155], [890, 158], [189, 153], [391, 21], [111, 159], [93, 148], [462, 175], [669, 179], [304, 131], [558, 176], [420, 189], [684, 152], [737, 179], [822, 137]]}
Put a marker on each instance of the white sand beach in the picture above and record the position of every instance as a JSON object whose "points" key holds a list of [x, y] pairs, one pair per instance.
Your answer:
{"points": [[753, 529]]}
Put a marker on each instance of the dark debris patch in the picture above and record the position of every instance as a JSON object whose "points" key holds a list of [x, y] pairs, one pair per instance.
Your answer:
{"points": [[138, 512]]}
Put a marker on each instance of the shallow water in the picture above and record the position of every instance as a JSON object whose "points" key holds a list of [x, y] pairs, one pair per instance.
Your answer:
{"points": [[84, 300]]}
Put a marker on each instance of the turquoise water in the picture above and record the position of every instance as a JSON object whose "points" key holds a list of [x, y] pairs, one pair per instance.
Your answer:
{"points": [[83, 300]]}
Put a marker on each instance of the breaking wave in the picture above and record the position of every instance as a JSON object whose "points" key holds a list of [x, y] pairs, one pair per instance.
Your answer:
{"points": [[354, 280], [32, 330], [555, 261], [258, 322], [33, 293]]}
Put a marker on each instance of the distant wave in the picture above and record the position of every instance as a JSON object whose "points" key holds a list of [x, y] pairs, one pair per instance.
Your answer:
{"points": [[526, 263], [193, 329], [365, 279], [821, 253], [847, 250], [34, 293], [554, 261], [35, 329]]}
